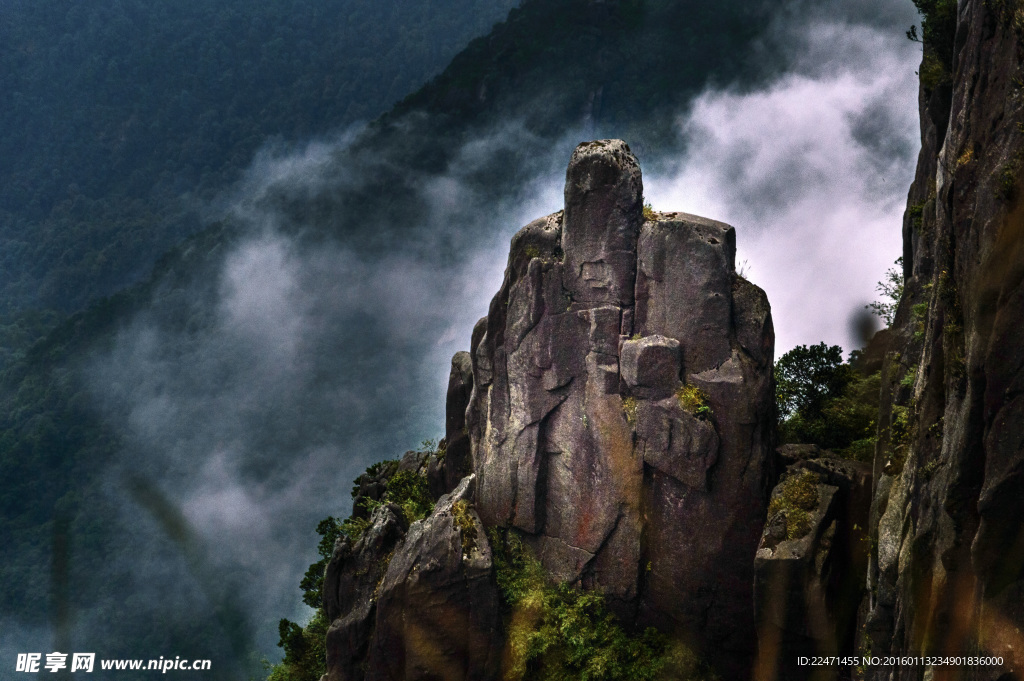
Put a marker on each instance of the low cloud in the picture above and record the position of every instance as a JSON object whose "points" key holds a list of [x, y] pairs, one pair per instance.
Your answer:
{"points": [[812, 170], [251, 405]]}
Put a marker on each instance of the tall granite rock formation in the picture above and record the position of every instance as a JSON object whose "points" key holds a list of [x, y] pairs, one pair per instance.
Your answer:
{"points": [[947, 569], [621, 417], [616, 411]]}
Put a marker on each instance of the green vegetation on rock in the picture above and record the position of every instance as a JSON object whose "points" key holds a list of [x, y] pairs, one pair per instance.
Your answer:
{"points": [[919, 315], [464, 521], [891, 287], [629, 405], [649, 213], [563, 633], [330, 530], [304, 652], [938, 30], [409, 489], [694, 400], [795, 498]]}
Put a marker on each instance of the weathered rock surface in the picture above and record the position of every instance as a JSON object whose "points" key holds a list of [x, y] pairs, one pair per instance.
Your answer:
{"points": [[349, 591], [415, 602], [810, 566], [621, 415], [458, 462], [947, 576], [438, 614], [651, 366]]}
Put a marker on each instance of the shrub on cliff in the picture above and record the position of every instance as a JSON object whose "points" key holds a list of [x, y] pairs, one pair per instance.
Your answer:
{"points": [[410, 490], [938, 30], [305, 650], [891, 287], [795, 498], [305, 654], [304, 647], [822, 400], [560, 632]]}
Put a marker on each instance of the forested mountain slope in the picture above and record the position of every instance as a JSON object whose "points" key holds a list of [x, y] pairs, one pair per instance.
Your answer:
{"points": [[119, 118]]}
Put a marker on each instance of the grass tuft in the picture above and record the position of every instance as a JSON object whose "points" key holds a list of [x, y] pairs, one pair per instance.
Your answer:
{"points": [[649, 213], [464, 521], [629, 406], [694, 400]]}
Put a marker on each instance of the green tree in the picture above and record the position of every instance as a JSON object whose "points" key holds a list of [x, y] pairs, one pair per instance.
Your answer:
{"points": [[305, 650], [891, 289], [822, 400], [806, 378]]}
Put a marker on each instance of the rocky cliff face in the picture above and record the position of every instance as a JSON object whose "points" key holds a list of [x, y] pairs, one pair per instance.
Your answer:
{"points": [[615, 412], [415, 601], [622, 412], [946, 568]]}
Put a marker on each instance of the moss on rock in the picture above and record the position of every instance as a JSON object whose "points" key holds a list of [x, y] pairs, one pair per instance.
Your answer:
{"points": [[796, 497], [694, 400], [559, 631], [464, 521]]}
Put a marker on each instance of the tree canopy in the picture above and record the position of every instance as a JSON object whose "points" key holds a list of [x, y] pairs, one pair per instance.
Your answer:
{"points": [[824, 401]]}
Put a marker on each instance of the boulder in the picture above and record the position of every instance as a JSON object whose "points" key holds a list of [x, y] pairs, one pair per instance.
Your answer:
{"points": [[650, 366], [791, 588]]}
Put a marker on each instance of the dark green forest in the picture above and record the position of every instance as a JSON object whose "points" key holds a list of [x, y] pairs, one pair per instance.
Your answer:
{"points": [[120, 119], [125, 120]]}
